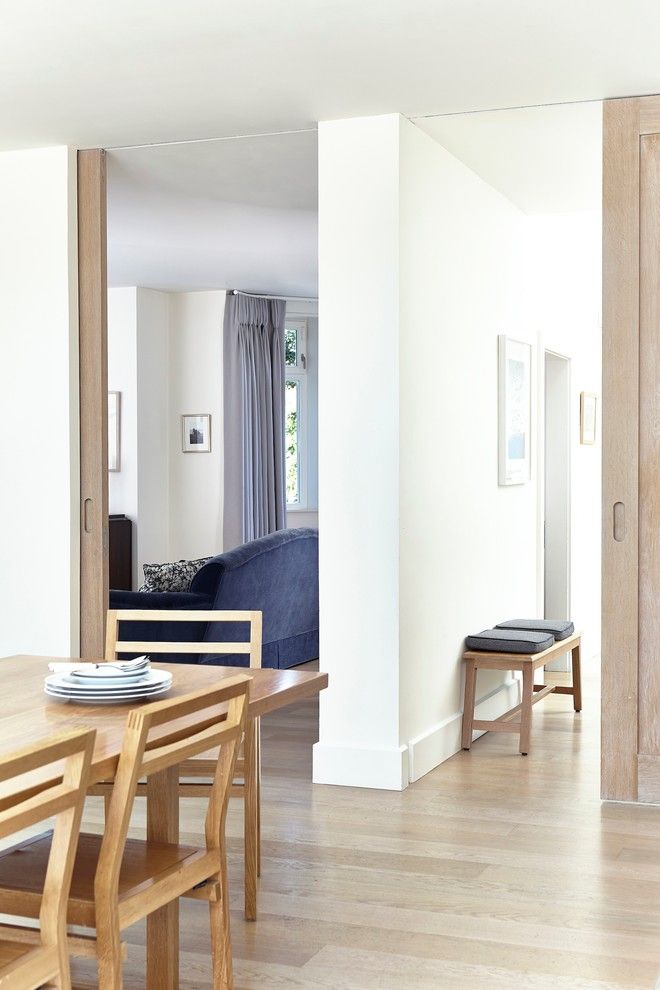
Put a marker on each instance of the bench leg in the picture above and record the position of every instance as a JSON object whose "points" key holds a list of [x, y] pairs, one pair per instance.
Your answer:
{"points": [[577, 678], [526, 709], [468, 703]]}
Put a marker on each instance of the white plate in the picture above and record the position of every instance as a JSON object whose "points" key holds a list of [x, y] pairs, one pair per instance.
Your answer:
{"points": [[149, 679], [107, 692], [108, 699], [118, 680], [99, 675]]}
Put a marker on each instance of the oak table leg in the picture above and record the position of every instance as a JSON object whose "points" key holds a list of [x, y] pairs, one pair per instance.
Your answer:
{"points": [[468, 702], [526, 709], [577, 678], [163, 924], [251, 823]]}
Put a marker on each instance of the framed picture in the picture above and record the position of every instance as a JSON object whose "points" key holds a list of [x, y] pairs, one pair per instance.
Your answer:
{"points": [[196, 433], [587, 417], [515, 411], [114, 431]]}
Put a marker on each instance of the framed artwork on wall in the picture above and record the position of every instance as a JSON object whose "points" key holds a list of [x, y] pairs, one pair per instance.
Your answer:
{"points": [[196, 433], [114, 431], [587, 417], [515, 411]]}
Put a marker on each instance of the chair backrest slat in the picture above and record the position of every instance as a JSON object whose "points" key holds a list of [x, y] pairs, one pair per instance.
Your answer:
{"points": [[197, 701], [34, 757], [35, 801], [174, 753], [250, 646], [45, 804], [144, 646]]}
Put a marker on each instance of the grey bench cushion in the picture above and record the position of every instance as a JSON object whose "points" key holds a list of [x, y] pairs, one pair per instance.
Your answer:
{"points": [[559, 628], [510, 641]]}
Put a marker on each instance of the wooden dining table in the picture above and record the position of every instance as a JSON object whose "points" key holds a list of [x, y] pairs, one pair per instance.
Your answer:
{"points": [[28, 716]]}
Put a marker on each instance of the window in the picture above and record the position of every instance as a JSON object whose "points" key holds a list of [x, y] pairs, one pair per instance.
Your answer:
{"points": [[295, 413]]}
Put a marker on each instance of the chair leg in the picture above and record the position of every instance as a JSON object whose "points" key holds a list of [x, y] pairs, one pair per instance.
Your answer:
{"points": [[577, 678], [526, 710], [223, 978], [468, 704], [108, 952], [63, 981]]}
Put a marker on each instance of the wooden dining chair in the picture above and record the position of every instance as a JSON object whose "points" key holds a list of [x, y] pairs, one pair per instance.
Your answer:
{"points": [[118, 881], [195, 775], [31, 958]]}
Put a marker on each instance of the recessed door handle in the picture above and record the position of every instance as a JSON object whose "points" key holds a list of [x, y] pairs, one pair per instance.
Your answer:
{"points": [[87, 515], [619, 522]]}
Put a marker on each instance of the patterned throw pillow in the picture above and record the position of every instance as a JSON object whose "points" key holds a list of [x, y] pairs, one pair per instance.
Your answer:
{"points": [[171, 577]]}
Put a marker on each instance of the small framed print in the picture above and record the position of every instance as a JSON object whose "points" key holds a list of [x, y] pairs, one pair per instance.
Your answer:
{"points": [[196, 433], [114, 431], [515, 411], [587, 417]]}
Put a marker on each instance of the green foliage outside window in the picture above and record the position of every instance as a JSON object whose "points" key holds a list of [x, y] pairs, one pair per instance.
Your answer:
{"points": [[291, 441], [291, 348]]}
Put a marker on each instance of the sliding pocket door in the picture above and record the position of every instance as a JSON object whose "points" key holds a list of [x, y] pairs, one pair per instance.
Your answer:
{"points": [[631, 451]]}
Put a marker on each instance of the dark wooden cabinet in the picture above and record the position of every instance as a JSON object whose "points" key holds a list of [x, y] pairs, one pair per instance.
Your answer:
{"points": [[121, 553]]}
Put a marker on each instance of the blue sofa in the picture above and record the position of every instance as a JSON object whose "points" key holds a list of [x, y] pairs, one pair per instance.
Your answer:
{"points": [[277, 575]]}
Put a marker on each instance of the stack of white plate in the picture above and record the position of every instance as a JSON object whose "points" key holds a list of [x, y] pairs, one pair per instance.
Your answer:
{"points": [[109, 683]]}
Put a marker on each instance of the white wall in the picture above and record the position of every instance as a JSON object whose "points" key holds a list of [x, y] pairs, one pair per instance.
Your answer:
{"points": [[122, 377], [468, 546], [562, 283], [152, 316], [165, 356], [195, 386], [138, 341], [39, 494], [359, 469]]}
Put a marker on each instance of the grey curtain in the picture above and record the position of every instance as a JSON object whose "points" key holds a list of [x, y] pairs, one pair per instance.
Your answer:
{"points": [[253, 375]]}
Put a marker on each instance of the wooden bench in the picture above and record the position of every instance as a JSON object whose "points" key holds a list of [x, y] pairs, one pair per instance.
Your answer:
{"points": [[531, 693]]}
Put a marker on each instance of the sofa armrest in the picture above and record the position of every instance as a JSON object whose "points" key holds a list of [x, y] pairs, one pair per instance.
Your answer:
{"points": [[159, 600]]}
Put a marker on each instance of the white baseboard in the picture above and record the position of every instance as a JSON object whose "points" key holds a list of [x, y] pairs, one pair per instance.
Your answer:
{"points": [[357, 766], [433, 747]]}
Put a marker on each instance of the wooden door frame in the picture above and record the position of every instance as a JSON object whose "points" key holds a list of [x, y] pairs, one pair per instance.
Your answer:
{"points": [[93, 378], [625, 122]]}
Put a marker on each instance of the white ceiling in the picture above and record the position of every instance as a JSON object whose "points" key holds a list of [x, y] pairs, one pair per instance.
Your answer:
{"points": [[216, 214], [242, 212], [117, 72], [544, 159]]}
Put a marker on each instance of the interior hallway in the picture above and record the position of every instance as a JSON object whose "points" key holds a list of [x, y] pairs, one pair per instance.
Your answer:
{"points": [[494, 871]]}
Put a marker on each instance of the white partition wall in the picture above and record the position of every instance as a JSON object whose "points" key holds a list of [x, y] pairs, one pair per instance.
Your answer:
{"points": [[419, 262], [39, 489], [359, 453]]}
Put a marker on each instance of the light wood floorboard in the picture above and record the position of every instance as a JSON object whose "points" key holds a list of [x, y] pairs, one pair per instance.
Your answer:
{"points": [[493, 872]]}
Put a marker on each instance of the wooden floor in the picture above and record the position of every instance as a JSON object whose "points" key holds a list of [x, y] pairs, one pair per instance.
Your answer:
{"points": [[495, 871]]}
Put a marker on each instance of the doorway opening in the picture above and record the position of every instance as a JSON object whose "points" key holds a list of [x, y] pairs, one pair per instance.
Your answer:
{"points": [[557, 493]]}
